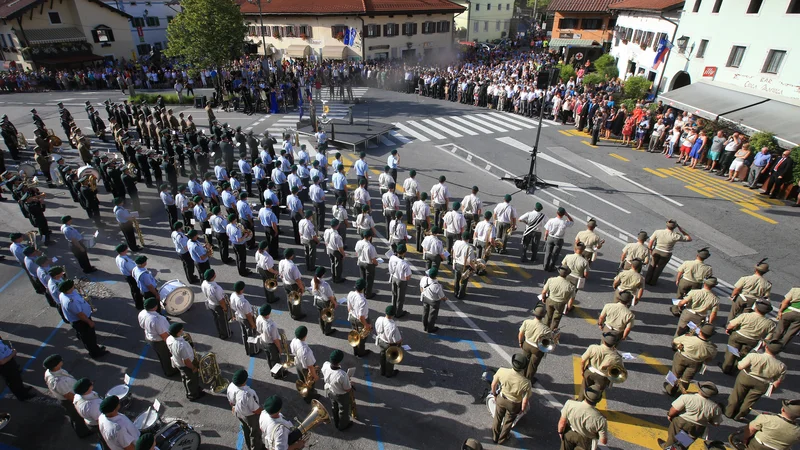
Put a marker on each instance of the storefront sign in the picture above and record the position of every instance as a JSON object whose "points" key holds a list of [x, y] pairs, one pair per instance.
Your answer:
{"points": [[379, 47], [709, 71]]}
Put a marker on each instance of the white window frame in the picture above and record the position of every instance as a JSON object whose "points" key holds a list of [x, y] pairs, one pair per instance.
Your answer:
{"points": [[768, 60], [731, 60]]}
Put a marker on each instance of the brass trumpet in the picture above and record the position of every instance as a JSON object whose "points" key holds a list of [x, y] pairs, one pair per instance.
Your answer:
{"points": [[355, 337], [305, 386], [394, 354], [295, 297], [617, 373], [271, 284]]}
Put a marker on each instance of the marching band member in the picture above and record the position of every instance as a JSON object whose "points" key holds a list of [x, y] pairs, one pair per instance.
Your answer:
{"points": [[183, 359], [554, 230], [200, 214], [317, 197], [244, 405], [759, 373], [361, 198], [338, 390], [532, 236], [156, 333], [219, 230], [454, 224], [431, 295], [116, 429], [530, 333], [270, 340], [17, 249], [387, 334], [696, 306], [209, 191], [198, 253], [169, 205], [304, 360], [43, 275], [79, 314], [433, 249], [616, 318], [422, 222], [692, 273], [364, 222], [692, 351], [295, 207], [390, 202], [515, 393], [309, 239], [292, 282], [323, 298], [578, 266], [634, 250], [269, 221], [367, 261], [125, 221], [339, 181], [295, 181], [358, 315], [399, 274], [265, 266], [182, 203], [746, 331], [279, 178], [788, 317], [661, 244], [440, 197], [630, 280], [60, 384], [278, 432], [505, 217], [144, 279], [590, 240], [220, 172], [596, 361], [75, 239], [581, 423], [260, 177], [749, 290], [463, 259], [56, 276], [126, 267], [12, 373], [397, 230], [334, 247], [770, 431], [246, 218], [362, 169], [558, 294], [472, 208], [411, 195], [340, 213], [87, 403], [243, 312], [484, 236], [181, 242], [217, 303], [393, 160], [238, 241]]}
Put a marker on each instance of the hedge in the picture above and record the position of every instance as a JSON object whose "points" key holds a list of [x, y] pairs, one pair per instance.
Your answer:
{"points": [[169, 99], [795, 155]]}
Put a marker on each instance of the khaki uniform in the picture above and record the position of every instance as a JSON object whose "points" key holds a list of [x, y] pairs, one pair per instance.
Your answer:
{"points": [[702, 302], [585, 424], [761, 370], [514, 387], [591, 240], [692, 352], [629, 280], [577, 265], [533, 330], [665, 241], [698, 412], [750, 328], [559, 292], [600, 358], [636, 250], [789, 324], [774, 432], [694, 272], [753, 287], [618, 318]]}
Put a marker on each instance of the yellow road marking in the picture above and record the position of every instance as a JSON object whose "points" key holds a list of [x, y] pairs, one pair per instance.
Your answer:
{"points": [[699, 191], [748, 205], [621, 158], [758, 216], [518, 269], [589, 144], [565, 133], [654, 363], [654, 172], [584, 315]]}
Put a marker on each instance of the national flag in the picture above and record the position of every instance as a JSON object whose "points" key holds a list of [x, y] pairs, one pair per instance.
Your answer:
{"points": [[347, 36], [661, 53]]}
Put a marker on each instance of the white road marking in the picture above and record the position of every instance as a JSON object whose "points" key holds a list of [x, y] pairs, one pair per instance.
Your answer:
{"points": [[527, 149], [534, 122], [425, 129], [551, 122], [386, 141], [402, 138], [492, 119], [618, 174], [467, 122], [582, 191], [441, 127], [507, 119], [413, 133], [456, 126], [483, 122]]}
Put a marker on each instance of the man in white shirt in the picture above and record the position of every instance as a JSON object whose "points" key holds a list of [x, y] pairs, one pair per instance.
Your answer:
{"points": [[183, 358], [338, 390], [117, 430], [431, 296], [340, 213], [484, 235], [243, 313], [334, 247], [471, 206], [358, 315], [410, 194], [87, 403], [440, 196], [304, 361], [278, 433], [265, 266], [270, 339], [384, 180], [393, 161], [367, 261], [454, 224], [387, 335], [181, 243], [505, 218], [391, 204], [532, 236], [309, 239], [422, 221], [292, 282], [60, 384], [433, 249], [399, 274], [463, 257], [156, 332], [323, 299], [217, 303], [554, 230], [361, 197], [244, 405]]}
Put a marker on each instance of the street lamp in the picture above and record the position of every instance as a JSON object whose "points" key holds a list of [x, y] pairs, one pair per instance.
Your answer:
{"points": [[261, 20]]}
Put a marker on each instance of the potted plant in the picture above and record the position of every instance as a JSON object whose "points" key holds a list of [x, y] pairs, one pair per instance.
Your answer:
{"points": [[303, 36], [340, 36]]}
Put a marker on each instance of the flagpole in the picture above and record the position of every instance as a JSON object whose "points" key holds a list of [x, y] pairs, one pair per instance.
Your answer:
{"points": [[666, 60]]}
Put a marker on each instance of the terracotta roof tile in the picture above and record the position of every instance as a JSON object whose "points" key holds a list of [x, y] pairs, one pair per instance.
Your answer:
{"points": [[383, 6], [654, 5], [304, 7], [9, 7], [579, 5]]}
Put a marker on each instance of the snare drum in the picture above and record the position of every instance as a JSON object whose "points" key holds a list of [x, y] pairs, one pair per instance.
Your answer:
{"points": [[123, 391], [148, 421], [176, 297], [177, 435]]}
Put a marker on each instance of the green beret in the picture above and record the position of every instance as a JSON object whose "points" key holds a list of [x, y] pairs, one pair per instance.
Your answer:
{"points": [[226, 185], [150, 303], [238, 286], [320, 271], [240, 377], [145, 442], [163, 186], [81, 386], [412, 173], [55, 270], [41, 260], [538, 206], [361, 284], [231, 217], [362, 155], [315, 178], [218, 161], [268, 202], [175, 328], [118, 200], [386, 168], [141, 259], [487, 215], [197, 198], [334, 223], [288, 253], [301, 332], [15, 236], [209, 274], [65, 219], [442, 179], [402, 248], [394, 152], [466, 235], [295, 190], [308, 213], [265, 310], [109, 404], [121, 248], [215, 210], [52, 361], [191, 234], [181, 187], [336, 356], [243, 196], [367, 233], [178, 224], [561, 211], [273, 404], [258, 161], [392, 186], [433, 272], [364, 208], [262, 245], [456, 205], [27, 251], [66, 286], [507, 197], [293, 167], [391, 310]]}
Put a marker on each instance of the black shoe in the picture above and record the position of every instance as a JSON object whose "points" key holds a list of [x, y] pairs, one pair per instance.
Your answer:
{"points": [[433, 330], [370, 296], [102, 353], [229, 261], [524, 259], [27, 396], [796, 205], [661, 442], [393, 374], [771, 196], [90, 270], [365, 354], [350, 424], [300, 317], [401, 314], [246, 273], [332, 331]]}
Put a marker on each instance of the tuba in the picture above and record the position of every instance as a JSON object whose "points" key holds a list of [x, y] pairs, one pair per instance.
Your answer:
{"points": [[355, 337], [548, 342], [617, 373], [295, 297], [327, 314], [305, 386], [317, 416], [210, 373], [271, 284], [394, 354]]}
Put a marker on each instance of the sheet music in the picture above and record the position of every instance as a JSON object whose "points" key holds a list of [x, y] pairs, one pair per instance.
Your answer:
{"points": [[671, 378], [733, 351], [276, 368], [350, 372], [675, 301], [406, 347]]}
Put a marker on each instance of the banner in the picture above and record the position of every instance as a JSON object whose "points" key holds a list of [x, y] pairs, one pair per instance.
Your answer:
{"points": [[661, 53], [347, 36]]}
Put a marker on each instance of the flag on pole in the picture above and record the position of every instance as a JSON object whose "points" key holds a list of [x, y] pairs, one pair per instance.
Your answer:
{"points": [[661, 53], [347, 36]]}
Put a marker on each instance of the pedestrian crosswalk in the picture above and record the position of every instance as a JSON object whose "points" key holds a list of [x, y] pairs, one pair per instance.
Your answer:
{"points": [[337, 108]]}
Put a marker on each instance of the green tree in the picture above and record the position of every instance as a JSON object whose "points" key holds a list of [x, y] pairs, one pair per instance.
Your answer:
{"points": [[795, 155], [541, 5], [764, 139], [607, 66], [593, 79], [207, 33], [636, 88], [566, 72]]}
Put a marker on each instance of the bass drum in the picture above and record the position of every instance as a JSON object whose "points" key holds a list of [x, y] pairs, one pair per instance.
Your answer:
{"points": [[88, 170], [176, 297], [28, 169], [177, 435]]}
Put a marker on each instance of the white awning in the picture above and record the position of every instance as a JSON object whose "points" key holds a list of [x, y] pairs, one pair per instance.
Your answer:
{"points": [[333, 52], [298, 51]]}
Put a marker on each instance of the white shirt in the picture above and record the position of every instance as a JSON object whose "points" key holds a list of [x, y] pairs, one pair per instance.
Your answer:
{"points": [[461, 249], [267, 330], [340, 214], [534, 220], [390, 201], [431, 289], [180, 351], [307, 231], [336, 380], [357, 305], [153, 324], [59, 382], [364, 222], [421, 210], [88, 407], [410, 187], [243, 399], [264, 260], [304, 358], [361, 196], [386, 330], [213, 292], [333, 241], [118, 431], [384, 180], [400, 270], [504, 212], [454, 222], [432, 245], [241, 307], [288, 271], [484, 231], [397, 230], [471, 204], [439, 194], [275, 432], [556, 227], [365, 252]]}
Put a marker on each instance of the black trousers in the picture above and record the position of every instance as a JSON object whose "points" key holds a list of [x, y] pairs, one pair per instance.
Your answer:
{"points": [[265, 275], [136, 294], [775, 185], [531, 241], [75, 419], [241, 258], [250, 349], [10, 372], [88, 337], [399, 294], [459, 282], [130, 235], [220, 321], [191, 383], [222, 243], [296, 311], [188, 266], [551, 252], [272, 243], [311, 255], [319, 210], [430, 313], [162, 351], [336, 265], [367, 272], [202, 267], [340, 404], [387, 368], [172, 215], [658, 262]]}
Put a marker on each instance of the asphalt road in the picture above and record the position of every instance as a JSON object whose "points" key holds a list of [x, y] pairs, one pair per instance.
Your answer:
{"points": [[432, 403]]}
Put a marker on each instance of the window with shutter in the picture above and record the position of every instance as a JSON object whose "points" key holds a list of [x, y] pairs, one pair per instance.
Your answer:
{"points": [[628, 34], [428, 28], [648, 41], [276, 31], [265, 30]]}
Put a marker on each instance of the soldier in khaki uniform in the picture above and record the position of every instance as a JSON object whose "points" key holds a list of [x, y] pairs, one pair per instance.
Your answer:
{"points": [[692, 273], [558, 294], [750, 289], [531, 331], [634, 250], [691, 352], [789, 317], [577, 264], [630, 280], [515, 392], [774, 432], [661, 244], [590, 240], [595, 363], [616, 318], [757, 372], [698, 306], [693, 413], [745, 333], [581, 423]]}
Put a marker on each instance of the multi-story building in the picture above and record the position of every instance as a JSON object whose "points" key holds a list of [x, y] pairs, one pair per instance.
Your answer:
{"points": [[742, 54], [581, 27], [484, 20], [148, 26], [641, 25], [61, 34], [376, 29]]}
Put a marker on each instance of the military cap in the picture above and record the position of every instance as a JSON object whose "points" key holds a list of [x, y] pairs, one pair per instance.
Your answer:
{"points": [[775, 346], [361, 284], [209, 274], [391, 310], [710, 281], [150, 303], [238, 286], [308, 213], [625, 297], [487, 215], [15, 236], [288, 253], [456, 205], [362, 155], [792, 407], [301, 332], [762, 267], [215, 210], [141, 259], [178, 224], [197, 199], [315, 178], [243, 196], [231, 217], [433, 272], [402, 248], [507, 197], [28, 251], [538, 206], [642, 235], [703, 253], [295, 189], [56, 270], [336, 356], [392, 186], [539, 310], [364, 208], [610, 339], [334, 223], [175, 329], [561, 211], [262, 245], [763, 307], [319, 271], [81, 386], [41, 260], [592, 395], [66, 286], [367, 233], [163, 186], [191, 234], [386, 168], [121, 248], [239, 377], [109, 404], [52, 361], [273, 404], [412, 173], [442, 179], [423, 196], [181, 187], [708, 330], [65, 219], [564, 271], [265, 310]]}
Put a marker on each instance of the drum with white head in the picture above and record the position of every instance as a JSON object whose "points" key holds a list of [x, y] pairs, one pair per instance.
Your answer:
{"points": [[123, 392], [28, 169], [148, 421], [177, 435], [176, 297], [88, 170]]}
